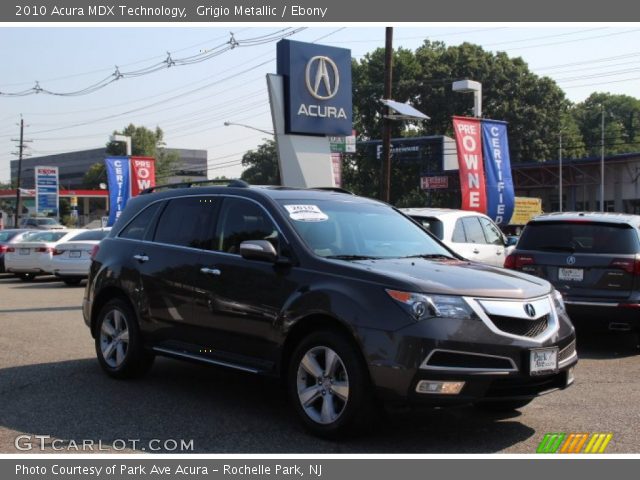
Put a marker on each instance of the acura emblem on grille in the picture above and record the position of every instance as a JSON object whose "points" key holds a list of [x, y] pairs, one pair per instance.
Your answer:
{"points": [[530, 310], [571, 260]]}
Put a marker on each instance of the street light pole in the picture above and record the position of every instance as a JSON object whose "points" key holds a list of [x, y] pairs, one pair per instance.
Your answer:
{"points": [[228, 124], [386, 130], [560, 183], [602, 160]]}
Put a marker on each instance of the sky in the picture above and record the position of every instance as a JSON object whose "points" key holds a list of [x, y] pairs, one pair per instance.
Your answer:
{"points": [[191, 103]]}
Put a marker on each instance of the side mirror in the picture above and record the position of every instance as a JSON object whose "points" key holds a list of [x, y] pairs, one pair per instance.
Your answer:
{"points": [[511, 241], [258, 250]]}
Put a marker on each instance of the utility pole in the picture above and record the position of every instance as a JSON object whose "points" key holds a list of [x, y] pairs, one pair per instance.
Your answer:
{"points": [[560, 158], [386, 131], [21, 147], [602, 160]]}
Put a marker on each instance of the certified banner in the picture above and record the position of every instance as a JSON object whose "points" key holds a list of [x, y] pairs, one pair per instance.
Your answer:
{"points": [[118, 173], [469, 145], [497, 166], [46, 190], [143, 174]]}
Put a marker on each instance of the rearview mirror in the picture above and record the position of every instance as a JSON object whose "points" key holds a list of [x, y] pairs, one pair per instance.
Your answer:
{"points": [[258, 250]]}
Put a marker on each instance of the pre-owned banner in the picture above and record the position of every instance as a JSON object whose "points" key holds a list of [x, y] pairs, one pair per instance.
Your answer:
{"points": [[469, 145], [143, 174], [497, 167], [118, 173]]}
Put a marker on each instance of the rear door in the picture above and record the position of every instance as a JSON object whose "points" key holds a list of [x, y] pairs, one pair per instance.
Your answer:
{"points": [[469, 241], [583, 258], [495, 239]]}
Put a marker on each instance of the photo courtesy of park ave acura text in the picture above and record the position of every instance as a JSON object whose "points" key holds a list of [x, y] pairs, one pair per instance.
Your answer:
{"points": [[314, 238]]}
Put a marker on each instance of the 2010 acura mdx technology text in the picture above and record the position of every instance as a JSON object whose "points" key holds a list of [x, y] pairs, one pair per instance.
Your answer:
{"points": [[347, 299]]}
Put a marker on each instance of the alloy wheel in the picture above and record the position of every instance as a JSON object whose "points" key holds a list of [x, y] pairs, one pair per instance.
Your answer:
{"points": [[114, 338]]}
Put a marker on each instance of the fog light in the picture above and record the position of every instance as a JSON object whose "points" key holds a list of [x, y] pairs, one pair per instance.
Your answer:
{"points": [[570, 376], [442, 388]]}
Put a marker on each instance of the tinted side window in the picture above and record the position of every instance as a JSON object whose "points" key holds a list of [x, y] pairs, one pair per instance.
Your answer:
{"points": [[137, 228], [491, 232], [242, 220], [432, 224], [187, 222], [458, 233], [473, 230]]}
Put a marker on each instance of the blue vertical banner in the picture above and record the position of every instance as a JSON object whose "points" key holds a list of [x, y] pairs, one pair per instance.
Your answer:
{"points": [[118, 178], [497, 166]]}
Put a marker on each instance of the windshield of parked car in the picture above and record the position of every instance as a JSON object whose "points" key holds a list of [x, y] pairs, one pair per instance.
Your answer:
{"points": [[579, 237], [353, 230], [46, 221], [45, 237], [6, 236], [90, 235]]}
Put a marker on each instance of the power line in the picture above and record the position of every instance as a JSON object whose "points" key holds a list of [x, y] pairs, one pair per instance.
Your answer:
{"points": [[167, 63]]}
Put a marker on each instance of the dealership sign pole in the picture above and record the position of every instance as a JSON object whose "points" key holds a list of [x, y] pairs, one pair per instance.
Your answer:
{"points": [[46, 190]]}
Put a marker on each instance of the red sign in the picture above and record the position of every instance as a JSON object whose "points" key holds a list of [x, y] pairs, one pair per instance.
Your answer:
{"points": [[428, 183], [469, 143], [143, 174]]}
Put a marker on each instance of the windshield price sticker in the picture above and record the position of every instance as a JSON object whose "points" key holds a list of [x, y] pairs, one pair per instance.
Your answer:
{"points": [[306, 213]]}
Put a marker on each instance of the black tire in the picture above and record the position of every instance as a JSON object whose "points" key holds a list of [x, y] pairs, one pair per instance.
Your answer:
{"points": [[26, 277], [353, 413], [502, 406], [131, 361], [72, 281]]}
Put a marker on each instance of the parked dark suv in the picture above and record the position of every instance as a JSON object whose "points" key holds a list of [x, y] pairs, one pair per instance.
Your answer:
{"points": [[593, 259], [345, 298]]}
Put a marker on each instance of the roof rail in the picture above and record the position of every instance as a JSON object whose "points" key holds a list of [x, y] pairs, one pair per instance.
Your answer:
{"points": [[333, 189], [234, 182]]}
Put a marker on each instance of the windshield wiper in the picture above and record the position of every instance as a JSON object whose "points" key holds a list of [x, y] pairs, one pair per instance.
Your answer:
{"points": [[352, 257], [429, 256]]}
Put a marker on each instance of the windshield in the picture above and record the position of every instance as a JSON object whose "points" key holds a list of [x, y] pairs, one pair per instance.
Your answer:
{"points": [[357, 230], [6, 236], [45, 237], [579, 237], [90, 235]]}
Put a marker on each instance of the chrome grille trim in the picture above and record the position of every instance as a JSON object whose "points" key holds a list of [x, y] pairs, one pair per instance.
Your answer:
{"points": [[425, 364]]}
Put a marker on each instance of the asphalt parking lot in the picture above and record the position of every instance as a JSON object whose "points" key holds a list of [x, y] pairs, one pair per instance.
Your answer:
{"points": [[50, 384]]}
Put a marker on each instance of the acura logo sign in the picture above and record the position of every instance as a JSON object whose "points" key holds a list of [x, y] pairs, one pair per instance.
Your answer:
{"points": [[530, 310], [571, 260], [320, 83]]}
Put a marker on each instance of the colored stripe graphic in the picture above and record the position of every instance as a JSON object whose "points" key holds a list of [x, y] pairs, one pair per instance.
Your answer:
{"points": [[573, 443], [551, 442]]}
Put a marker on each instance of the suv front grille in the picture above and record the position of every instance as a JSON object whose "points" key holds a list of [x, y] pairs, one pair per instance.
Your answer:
{"points": [[521, 326]]}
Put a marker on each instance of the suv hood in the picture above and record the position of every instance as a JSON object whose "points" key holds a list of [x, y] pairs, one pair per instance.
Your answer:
{"points": [[454, 277]]}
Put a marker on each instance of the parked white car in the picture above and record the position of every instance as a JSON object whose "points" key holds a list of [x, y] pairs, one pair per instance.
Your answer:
{"points": [[32, 256], [71, 260], [472, 235]]}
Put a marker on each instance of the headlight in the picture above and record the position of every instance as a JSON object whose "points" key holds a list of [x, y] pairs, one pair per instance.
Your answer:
{"points": [[420, 306], [558, 301]]}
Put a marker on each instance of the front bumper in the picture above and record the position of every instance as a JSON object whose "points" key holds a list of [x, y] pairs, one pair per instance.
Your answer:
{"points": [[491, 365]]}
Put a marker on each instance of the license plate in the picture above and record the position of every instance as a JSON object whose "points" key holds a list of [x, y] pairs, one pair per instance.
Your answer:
{"points": [[25, 251], [571, 274], [543, 360], [75, 253]]}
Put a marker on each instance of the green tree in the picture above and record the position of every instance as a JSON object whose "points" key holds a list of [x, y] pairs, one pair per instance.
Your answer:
{"points": [[148, 143], [144, 143], [621, 123], [261, 165]]}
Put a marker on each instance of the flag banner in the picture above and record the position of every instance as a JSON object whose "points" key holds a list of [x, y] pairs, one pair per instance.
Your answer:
{"points": [[497, 166], [143, 174], [469, 146], [118, 173]]}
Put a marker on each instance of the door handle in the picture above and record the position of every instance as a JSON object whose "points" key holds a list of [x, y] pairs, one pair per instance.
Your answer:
{"points": [[210, 271], [475, 250], [141, 258], [499, 252]]}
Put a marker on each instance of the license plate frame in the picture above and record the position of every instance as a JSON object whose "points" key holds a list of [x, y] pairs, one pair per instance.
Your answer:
{"points": [[571, 274], [75, 253], [543, 361], [25, 251]]}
